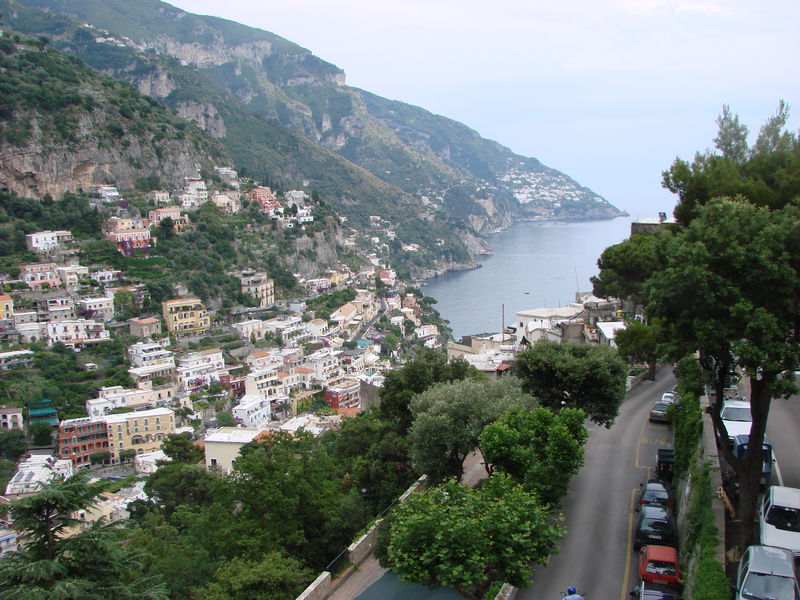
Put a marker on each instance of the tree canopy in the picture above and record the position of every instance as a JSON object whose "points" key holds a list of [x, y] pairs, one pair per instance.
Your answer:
{"points": [[89, 563], [449, 418], [467, 538], [583, 376], [539, 448]]}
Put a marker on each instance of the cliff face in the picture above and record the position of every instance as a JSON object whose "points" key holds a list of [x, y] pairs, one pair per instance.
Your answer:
{"points": [[41, 167], [64, 128]]}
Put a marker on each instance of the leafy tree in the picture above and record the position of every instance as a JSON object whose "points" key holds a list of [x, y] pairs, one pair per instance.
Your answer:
{"points": [[729, 292], [767, 174], [126, 455], [467, 538], [171, 553], [373, 456], [625, 266], [52, 566], [539, 448], [416, 376], [591, 378], [226, 419], [42, 433], [640, 342], [180, 448], [12, 444], [99, 458], [274, 577], [449, 418], [179, 483]]}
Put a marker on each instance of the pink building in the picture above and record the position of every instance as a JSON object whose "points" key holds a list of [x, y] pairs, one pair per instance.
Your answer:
{"points": [[40, 276]]}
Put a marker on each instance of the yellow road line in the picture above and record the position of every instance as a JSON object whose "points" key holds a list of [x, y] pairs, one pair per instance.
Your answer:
{"points": [[629, 548]]}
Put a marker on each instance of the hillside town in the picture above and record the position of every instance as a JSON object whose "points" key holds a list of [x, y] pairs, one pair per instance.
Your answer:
{"points": [[224, 381]]}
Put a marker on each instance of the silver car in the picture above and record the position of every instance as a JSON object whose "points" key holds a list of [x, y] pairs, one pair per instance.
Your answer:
{"points": [[767, 573]]}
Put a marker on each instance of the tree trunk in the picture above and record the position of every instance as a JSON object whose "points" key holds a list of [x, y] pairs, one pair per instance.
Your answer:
{"points": [[651, 368]]}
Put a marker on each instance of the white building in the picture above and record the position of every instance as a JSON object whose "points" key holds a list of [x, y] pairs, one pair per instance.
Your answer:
{"points": [[534, 324], [252, 329], [200, 369], [36, 472], [253, 411], [222, 446], [45, 241], [291, 331], [109, 398], [76, 333], [148, 462], [325, 365], [98, 309]]}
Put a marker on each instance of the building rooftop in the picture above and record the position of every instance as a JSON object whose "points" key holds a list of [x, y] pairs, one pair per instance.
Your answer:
{"points": [[232, 435]]}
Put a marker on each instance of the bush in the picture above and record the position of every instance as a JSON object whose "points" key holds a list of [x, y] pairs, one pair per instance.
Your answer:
{"points": [[710, 582]]}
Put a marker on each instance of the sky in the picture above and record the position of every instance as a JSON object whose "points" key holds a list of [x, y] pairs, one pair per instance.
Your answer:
{"points": [[609, 92]]}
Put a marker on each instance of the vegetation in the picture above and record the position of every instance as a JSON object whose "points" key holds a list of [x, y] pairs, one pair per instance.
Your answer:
{"points": [[87, 564], [449, 419], [539, 448], [724, 282], [58, 376], [466, 538], [583, 376]]}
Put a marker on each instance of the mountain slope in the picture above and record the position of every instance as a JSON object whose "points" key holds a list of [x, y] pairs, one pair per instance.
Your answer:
{"points": [[407, 147], [64, 127]]}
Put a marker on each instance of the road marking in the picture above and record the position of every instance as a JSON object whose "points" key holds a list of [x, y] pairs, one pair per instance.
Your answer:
{"points": [[629, 547]]}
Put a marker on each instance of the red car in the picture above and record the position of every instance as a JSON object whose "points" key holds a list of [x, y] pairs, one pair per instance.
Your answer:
{"points": [[659, 564]]}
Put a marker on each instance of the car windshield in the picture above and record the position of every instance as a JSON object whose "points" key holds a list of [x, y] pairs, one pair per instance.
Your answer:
{"points": [[761, 586], [655, 495], [784, 518], [660, 567], [654, 525], [736, 413], [661, 405]]}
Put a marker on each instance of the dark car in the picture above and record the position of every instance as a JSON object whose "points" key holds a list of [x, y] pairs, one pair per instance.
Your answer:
{"points": [[654, 591], [660, 413], [655, 491], [655, 526]]}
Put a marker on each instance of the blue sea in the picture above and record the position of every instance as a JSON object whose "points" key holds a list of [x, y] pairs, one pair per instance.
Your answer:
{"points": [[535, 264]]}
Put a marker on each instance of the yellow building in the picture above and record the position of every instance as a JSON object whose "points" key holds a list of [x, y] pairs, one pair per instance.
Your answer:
{"points": [[185, 315], [142, 431], [6, 307]]}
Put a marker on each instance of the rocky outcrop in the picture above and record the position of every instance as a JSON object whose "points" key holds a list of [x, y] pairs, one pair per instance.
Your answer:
{"points": [[41, 167], [204, 115]]}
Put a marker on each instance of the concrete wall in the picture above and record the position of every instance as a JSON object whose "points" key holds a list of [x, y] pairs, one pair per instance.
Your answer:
{"points": [[362, 547], [319, 589]]}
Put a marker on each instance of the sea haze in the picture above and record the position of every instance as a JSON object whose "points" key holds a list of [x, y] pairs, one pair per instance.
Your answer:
{"points": [[535, 264]]}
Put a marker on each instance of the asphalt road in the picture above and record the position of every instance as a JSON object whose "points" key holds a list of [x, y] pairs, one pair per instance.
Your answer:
{"points": [[782, 432], [596, 553]]}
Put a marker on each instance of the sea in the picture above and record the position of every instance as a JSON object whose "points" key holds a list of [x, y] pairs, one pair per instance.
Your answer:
{"points": [[535, 264]]}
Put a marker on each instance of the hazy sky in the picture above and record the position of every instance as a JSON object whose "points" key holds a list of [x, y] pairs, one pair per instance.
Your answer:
{"points": [[607, 91]]}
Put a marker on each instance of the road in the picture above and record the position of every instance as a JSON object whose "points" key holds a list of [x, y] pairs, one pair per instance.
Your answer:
{"points": [[596, 553], [782, 428]]}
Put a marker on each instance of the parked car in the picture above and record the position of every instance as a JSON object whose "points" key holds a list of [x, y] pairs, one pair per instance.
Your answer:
{"points": [[767, 572], [660, 412], [655, 491], [655, 526], [654, 591], [670, 397], [779, 518], [659, 564], [736, 416], [739, 449]]}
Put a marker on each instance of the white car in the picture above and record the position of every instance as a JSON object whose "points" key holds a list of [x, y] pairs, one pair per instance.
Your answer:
{"points": [[767, 572], [779, 518], [736, 416], [669, 397]]}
